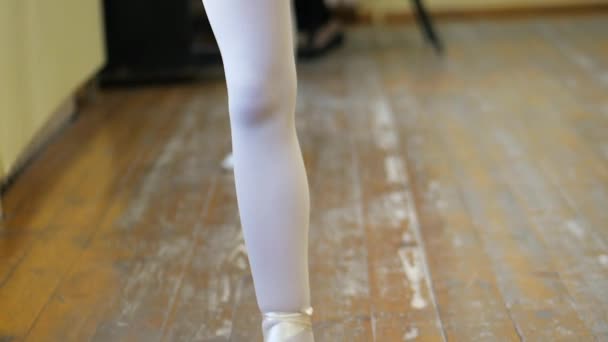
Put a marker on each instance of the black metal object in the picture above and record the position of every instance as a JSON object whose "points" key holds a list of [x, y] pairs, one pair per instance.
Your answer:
{"points": [[426, 25]]}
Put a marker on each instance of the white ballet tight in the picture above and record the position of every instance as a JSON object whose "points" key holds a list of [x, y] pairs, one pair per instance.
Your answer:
{"points": [[255, 39]]}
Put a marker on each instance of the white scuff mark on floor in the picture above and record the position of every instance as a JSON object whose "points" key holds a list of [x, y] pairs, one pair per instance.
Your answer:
{"points": [[603, 259], [228, 162], [158, 171], [225, 329], [242, 263], [410, 334], [413, 269], [441, 204], [374, 326], [170, 250], [212, 299], [389, 210], [137, 288], [433, 194], [399, 213], [238, 256], [407, 237], [508, 142], [383, 130], [346, 224], [354, 287], [327, 102], [382, 114], [337, 218], [353, 277], [412, 255], [457, 242], [564, 331], [395, 170], [575, 229], [225, 289], [393, 210], [583, 61], [148, 272], [398, 202], [385, 139], [434, 186], [575, 55]]}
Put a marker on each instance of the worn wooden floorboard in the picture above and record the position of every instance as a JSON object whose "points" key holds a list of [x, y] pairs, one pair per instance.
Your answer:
{"points": [[46, 256], [556, 195], [552, 293], [469, 303]]}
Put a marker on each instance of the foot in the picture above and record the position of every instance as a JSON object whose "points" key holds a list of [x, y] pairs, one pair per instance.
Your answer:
{"points": [[288, 326], [321, 41]]}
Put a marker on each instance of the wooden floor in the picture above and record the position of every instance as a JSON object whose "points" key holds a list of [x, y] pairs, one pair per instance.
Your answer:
{"points": [[462, 198]]}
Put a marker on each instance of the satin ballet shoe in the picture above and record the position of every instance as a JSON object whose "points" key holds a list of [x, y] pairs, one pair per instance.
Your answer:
{"points": [[288, 326]]}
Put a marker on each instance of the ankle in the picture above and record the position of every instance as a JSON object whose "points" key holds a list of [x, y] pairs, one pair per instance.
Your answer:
{"points": [[288, 326]]}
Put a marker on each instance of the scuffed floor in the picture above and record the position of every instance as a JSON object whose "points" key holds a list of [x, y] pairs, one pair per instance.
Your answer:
{"points": [[456, 198]]}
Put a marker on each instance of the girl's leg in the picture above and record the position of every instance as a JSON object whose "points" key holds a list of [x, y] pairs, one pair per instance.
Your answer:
{"points": [[255, 39]]}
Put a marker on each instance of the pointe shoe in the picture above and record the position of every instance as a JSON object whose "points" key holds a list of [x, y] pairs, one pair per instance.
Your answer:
{"points": [[288, 326]]}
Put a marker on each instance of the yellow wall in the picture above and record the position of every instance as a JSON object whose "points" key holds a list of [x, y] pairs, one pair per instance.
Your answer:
{"points": [[12, 82], [381, 7], [47, 49], [65, 48]]}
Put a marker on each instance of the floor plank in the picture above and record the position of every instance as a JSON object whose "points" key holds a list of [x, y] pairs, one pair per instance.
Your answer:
{"points": [[469, 303]]}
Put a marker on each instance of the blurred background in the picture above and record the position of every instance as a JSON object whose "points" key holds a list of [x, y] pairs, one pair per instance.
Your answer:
{"points": [[457, 153]]}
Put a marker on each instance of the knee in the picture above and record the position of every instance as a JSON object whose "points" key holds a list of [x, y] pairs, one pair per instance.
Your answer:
{"points": [[262, 101]]}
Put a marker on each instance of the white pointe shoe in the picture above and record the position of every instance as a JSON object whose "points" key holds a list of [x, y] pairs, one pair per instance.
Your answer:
{"points": [[288, 326]]}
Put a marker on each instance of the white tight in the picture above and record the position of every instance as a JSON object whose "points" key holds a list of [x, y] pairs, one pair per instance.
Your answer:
{"points": [[255, 39]]}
